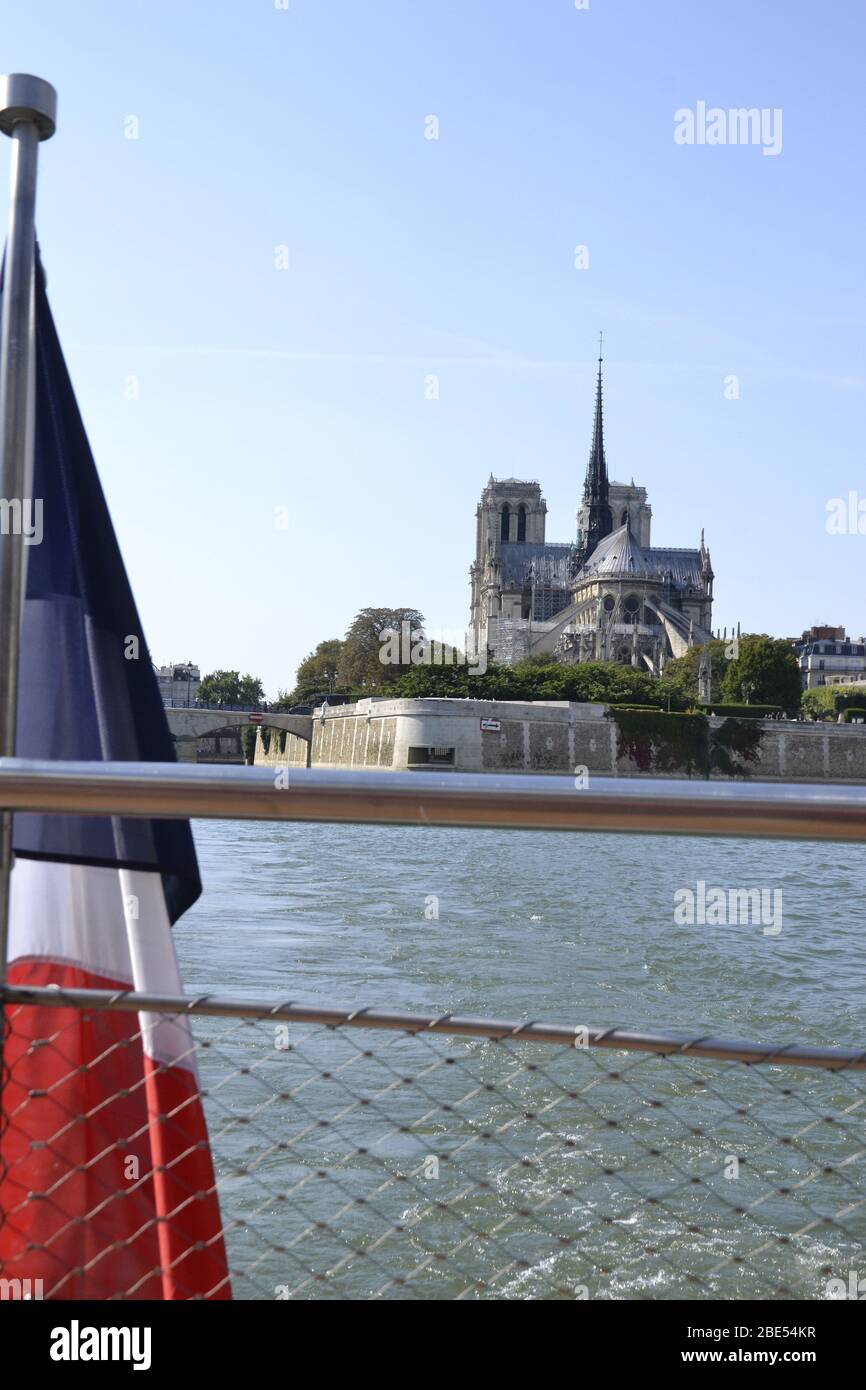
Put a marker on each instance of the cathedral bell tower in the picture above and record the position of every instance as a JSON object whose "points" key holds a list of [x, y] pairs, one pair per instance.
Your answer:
{"points": [[512, 512]]}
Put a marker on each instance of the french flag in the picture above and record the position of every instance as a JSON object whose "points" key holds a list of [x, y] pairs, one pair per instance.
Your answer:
{"points": [[106, 1181]]}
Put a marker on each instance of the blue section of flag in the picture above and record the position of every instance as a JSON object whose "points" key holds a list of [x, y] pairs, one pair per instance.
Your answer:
{"points": [[87, 689]]}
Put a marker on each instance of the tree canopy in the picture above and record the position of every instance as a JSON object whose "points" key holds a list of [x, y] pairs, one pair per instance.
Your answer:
{"points": [[321, 671], [352, 665], [823, 700], [360, 666], [230, 688], [764, 673], [604, 682], [684, 670]]}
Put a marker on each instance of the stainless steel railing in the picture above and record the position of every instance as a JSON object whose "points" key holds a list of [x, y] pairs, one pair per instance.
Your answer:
{"points": [[168, 790], [451, 1025]]}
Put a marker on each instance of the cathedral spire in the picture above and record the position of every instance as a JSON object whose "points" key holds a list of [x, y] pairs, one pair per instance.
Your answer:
{"points": [[595, 488], [597, 467]]}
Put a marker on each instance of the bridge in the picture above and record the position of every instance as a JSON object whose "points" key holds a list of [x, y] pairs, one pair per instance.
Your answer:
{"points": [[187, 726]]}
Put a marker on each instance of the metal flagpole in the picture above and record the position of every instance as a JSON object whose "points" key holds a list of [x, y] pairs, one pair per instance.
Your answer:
{"points": [[28, 107]]}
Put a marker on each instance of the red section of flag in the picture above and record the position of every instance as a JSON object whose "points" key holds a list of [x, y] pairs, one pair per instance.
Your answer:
{"points": [[106, 1181]]}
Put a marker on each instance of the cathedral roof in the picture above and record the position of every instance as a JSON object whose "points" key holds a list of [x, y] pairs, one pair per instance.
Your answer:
{"points": [[520, 561], [684, 565], [619, 553]]}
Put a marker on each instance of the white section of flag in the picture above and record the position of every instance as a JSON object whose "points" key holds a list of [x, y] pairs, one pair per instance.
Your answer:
{"points": [[112, 923]]}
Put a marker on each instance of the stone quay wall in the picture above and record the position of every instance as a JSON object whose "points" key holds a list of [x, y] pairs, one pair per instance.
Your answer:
{"points": [[538, 737]]}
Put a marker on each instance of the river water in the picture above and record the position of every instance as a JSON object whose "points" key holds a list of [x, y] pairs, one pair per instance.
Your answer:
{"points": [[358, 1164]]}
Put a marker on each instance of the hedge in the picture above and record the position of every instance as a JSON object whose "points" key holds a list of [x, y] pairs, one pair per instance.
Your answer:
{"points": [[731, 711]]}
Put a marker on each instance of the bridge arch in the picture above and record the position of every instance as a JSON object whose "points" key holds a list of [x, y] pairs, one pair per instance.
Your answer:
{"points": [[189, 725]]}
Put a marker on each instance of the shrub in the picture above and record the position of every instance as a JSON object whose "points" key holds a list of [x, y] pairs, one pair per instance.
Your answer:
{"points": [[831, 699], [656, 741], [660, 742], [733, 745]]}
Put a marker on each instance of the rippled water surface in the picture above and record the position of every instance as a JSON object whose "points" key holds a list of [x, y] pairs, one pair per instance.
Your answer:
{"points": [[575, 1166]]}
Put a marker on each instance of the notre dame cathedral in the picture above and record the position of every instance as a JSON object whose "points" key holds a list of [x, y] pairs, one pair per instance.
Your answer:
{"points": [[609, 596]]}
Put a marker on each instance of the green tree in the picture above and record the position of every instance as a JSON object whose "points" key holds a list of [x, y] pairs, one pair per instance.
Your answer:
{"points": [[683, 671], [820, 701], [230, 688], [360, 665], [602, 682], [318, 674], [828, 701], [284, 699], [251, 690], [220, 688], [320, 671], [764, 673], [248, 743]]}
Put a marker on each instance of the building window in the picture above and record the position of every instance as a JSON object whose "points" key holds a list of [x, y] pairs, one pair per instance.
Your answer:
{"points": [[505, 524], [631, 607], [521, 523], [624, 518]]}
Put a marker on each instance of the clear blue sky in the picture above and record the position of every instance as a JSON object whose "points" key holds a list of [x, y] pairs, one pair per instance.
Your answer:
{"points": [[262, 388]]}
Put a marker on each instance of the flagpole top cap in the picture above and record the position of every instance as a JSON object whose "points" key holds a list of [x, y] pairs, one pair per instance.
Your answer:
{"points": [[26, 98]]}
